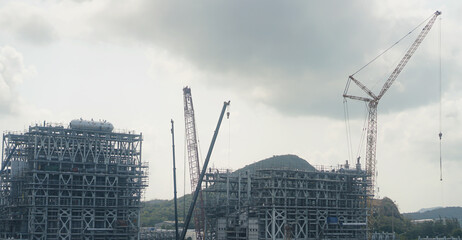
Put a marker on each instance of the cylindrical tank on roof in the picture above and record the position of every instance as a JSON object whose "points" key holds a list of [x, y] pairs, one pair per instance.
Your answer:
{"points": [[91, 125]]}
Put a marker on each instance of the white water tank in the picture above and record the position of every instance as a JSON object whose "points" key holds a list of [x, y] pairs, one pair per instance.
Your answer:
{"points": [[91, 125]]}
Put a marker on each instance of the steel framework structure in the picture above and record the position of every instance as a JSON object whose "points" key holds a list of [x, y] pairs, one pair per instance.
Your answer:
{"points": [[66, 183], [286, 204]]}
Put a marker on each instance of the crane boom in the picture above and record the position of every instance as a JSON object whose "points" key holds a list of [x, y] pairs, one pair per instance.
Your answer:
{"points": [[204, 169], [363, 87], [7, 159], [174, 180], [408, 55], [193, 159], [372, 106], [357, 98]]}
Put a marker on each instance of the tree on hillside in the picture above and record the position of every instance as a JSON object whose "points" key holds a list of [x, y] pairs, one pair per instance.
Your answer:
{"points": [[157, 211], [387, 218]]}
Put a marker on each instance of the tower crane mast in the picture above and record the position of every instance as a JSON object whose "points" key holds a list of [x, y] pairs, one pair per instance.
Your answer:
{"points": [[373, 100], [193, 159]]}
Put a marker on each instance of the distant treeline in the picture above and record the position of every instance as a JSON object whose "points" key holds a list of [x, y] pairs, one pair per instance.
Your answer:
{"points": [[388, 218], [447, 212]]}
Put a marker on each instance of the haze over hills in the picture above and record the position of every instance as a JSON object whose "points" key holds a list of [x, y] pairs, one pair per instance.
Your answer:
{"points": [[436, 213], [422, 210]]}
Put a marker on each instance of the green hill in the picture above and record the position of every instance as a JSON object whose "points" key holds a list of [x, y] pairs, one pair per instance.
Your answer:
{"points": [[157, 211], [288, 161], [388, 218]]}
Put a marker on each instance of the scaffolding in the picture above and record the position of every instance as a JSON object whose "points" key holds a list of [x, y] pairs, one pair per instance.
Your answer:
{"points": [[78, 182], [279, 203]]}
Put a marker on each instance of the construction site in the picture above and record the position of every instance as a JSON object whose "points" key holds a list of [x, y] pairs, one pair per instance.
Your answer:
{"points": [[284, 197], [83, 181]]}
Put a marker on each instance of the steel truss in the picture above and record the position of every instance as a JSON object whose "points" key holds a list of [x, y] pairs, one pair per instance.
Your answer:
{"points": [[65, 183], [286, 204]]}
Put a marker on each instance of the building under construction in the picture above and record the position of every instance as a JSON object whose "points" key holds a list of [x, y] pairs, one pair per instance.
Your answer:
{"points": [[83, 181], [284, 197]]}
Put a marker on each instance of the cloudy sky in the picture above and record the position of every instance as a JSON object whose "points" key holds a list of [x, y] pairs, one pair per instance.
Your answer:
{"points": [[283, 66]]}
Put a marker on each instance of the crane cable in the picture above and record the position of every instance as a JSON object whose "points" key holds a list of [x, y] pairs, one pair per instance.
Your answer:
{"points": [[440, 120], [348, 131], [229, 139], [363, 134], [386, 50], [347, 127], [185, 150]]}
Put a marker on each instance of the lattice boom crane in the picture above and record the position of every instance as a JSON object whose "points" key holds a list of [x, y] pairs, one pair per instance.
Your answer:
{"points": [[373, 100], [193, 159]]}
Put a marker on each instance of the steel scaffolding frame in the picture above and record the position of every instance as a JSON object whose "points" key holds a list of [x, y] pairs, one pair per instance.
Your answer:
{"points": [[66, 183], [286, 204]]}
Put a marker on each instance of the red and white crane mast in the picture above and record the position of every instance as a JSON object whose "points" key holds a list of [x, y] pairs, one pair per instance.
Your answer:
{"points": [[193, 159]]}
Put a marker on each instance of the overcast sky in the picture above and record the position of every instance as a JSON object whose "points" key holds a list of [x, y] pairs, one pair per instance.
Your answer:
{"points": [[282, 64]]}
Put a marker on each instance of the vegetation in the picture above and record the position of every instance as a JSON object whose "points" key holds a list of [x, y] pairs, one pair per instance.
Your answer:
{"points": [[157, 211], [387, 218]]}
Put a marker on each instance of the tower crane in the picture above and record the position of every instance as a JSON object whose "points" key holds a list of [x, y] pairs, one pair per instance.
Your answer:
{"points": [[373, 100]]}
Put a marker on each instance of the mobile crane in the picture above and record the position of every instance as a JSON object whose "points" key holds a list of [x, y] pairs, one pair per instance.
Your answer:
{"points": [[202, 173]]}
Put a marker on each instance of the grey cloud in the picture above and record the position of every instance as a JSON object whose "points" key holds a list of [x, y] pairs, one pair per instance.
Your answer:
{"points": [[36, 30], [27, 24], [300, 53]]}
